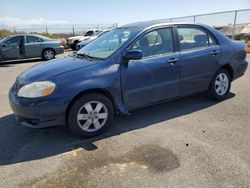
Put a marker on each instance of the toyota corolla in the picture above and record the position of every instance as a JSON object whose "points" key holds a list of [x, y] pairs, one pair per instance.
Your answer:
{"points": [[130, 67]]}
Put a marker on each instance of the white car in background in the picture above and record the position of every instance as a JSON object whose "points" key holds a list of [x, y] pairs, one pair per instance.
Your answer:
{"points": [[85, 41], [72, 41]]}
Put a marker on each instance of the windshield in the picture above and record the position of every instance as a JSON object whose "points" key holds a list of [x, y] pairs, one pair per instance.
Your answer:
{"points": [[108, 43]]}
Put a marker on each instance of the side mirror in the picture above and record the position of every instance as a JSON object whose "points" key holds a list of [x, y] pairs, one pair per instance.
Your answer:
{"points": [[133, 55]]}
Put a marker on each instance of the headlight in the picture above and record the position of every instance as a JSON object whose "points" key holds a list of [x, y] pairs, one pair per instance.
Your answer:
{"points": [[37, 89]]}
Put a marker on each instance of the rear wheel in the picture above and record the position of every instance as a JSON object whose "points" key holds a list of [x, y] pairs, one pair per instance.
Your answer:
{"points": [[220, 85], [48, 54], [90, 115]]}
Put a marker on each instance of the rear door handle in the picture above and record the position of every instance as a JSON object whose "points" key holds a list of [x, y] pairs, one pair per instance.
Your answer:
{"points": [[173, 61], [214, 52]]}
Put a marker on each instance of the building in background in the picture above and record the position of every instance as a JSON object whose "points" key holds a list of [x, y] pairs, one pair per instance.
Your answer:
{"points": [[241, 31]]}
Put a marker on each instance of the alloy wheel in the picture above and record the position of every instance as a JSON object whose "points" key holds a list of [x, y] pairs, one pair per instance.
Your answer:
{"points": [[49, 54], [92, 116], [221, 84]]}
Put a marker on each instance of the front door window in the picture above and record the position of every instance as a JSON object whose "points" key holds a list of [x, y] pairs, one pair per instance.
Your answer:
{"points": [[155, 43]]}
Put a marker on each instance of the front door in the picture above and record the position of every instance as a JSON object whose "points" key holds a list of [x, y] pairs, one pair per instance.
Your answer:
{"points": [[10, 50], [156, 76]]}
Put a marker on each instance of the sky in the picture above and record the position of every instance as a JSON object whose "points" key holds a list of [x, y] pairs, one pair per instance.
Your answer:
{"points": [[25, 12]]}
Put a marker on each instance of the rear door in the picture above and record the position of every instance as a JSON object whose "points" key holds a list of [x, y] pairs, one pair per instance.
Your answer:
{"points": [[11, 48], [156, 76], [199, 56], [33, 46]]}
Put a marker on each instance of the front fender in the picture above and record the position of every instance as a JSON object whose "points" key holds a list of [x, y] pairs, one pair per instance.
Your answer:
{"points": [[105, 77]]}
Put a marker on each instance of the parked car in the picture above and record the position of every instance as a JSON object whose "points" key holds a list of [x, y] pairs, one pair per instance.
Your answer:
{"points": [[72, 41], [24, 46], [84, 42], [127, 68]]}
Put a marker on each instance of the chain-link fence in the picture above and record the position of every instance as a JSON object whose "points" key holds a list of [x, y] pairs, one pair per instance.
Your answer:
{"points": [[232, 23], [60, 29]]}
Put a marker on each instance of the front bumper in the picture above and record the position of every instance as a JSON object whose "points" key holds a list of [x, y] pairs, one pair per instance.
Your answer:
{"points": [[38, 113]]}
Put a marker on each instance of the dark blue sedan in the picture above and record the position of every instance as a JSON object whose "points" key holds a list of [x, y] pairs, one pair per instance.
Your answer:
{"points": [[130, 67]]}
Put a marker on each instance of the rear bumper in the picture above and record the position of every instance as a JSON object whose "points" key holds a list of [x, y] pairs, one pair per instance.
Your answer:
{"points": [[240, 69], [59, 50], [38, 113]]}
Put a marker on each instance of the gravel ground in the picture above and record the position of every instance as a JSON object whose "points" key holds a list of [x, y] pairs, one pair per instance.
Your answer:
{"points": [[191, 142]]}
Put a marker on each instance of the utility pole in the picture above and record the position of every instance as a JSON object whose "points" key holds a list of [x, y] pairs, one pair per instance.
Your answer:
{"points": [[46, 29], [235, 19]]}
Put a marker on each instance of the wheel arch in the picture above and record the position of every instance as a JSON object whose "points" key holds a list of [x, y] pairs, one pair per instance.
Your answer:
{"points": [[101, 91], [229, 68], [48, 48]]}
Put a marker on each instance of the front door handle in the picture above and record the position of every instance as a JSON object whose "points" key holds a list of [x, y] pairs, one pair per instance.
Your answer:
{"points": [[173, 61], [214, 52]]}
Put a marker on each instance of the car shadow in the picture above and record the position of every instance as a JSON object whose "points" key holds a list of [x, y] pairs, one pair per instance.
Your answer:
{"points": [[20, 144], [11, 63]]}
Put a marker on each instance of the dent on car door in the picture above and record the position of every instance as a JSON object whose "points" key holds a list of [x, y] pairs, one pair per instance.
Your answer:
{"points": [[199, 54], [156, 76], [33, 46], [10, 48]]}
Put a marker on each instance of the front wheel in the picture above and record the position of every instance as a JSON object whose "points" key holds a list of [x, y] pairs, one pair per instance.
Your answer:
{"points": [[48, 54], [90, 115], [220, 85]]}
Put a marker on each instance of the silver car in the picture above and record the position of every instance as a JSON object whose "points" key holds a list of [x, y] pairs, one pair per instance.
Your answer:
{"points": [[24, 46]]}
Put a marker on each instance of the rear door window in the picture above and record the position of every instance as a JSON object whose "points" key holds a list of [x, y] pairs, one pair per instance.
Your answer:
{"points": [[33, 39], [193, 37], [212, 40]]}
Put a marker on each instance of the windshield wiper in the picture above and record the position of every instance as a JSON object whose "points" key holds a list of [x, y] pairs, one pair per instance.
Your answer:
{"points": [[85, 56], [91, 58]]}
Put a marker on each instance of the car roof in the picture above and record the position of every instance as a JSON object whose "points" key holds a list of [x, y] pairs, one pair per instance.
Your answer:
{"points": [[27, 34], [149, 24], [23, 34]]}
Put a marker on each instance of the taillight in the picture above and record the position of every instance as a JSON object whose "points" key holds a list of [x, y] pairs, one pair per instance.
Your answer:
{"points": [[61, 42], [246, 48]]}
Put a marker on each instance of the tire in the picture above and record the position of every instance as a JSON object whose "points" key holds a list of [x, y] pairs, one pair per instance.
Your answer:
{"points": [[48, 54], [90, 115], [220, 85], [73, 47]]}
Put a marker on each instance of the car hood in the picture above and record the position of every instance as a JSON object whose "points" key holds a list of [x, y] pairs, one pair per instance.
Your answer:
{"points": [[46, 71], [84, 38]]}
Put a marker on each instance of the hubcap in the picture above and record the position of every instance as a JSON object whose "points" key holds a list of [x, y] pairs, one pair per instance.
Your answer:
{"points": [[49, 54], [92, 116], [221, 84]]}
